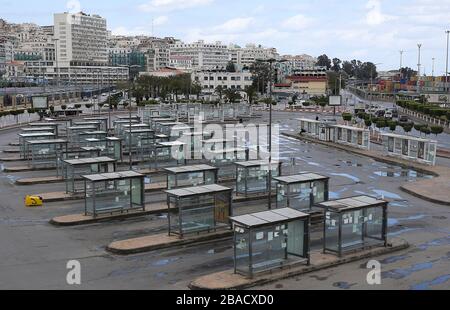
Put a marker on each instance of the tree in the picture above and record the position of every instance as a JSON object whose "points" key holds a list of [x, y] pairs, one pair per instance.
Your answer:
{"points": [[231, 67], [425, 130], [324, 61], [407, 73], [347, 117], [251, 93], [366, 71], [408, 127], [368, 122], [392, 125], [261, 75], [336, 65], [232, 95], [437, 130], [348, 68], [219, 91], [196, 89]]}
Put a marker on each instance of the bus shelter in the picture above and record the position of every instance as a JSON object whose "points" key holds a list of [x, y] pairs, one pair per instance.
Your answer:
{"points": [[198, 209], [352, 136], [45, 153], [225, 160], [104, 121], [24, 139], [74, 154], [411, 148], [85, 135], [252, 177], [172, 152], [117, 125], [268, 240], [125, 127], [73, 133], [301, 191], [108, 193], [38, 130], [354, 223], [188, 176], [74, 168], [54, 125], [153, 121]]}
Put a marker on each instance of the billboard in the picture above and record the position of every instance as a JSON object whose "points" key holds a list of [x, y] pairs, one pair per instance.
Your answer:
{"points": [[40, 102], [335, 101]]}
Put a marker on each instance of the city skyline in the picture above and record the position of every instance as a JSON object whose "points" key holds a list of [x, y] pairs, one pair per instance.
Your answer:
{"points": [[366, 30]]}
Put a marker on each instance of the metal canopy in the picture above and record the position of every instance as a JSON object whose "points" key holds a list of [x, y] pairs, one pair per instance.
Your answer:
{"points": [[268, 217], [300, 178], [356, 202], [197, 190], [217, 140], [89, 161], [139, 130], [31, 135], [55, 141], [43, 124], [37, 128], [81, 127], [412, 138], [255, 163], [189, 169], [113, 176], [171, 143]]}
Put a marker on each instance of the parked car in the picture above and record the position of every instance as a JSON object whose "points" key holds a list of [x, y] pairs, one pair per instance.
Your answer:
{"points": [[403, 119], [388, 115], [395, 113]]}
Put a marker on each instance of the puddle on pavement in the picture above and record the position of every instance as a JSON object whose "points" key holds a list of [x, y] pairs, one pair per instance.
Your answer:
{"points": [[445, 241], [396, 221], [165, 262], [343, 285], [429, 284], [348, 176], [387, 195], [402, 231], [408, 174], [406, 272]]}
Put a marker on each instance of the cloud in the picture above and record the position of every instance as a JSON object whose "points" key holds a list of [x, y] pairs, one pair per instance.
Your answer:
{"points": [[234, 25], [160, 20], [172, 5], [297, 22], [374, 15]]}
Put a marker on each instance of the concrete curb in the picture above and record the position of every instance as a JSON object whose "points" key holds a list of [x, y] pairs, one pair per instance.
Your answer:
{"points": [[433, 200], [115, 249], [296, 271], [59, 221]]}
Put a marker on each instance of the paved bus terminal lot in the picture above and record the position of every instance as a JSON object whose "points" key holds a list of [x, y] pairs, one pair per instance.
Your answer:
{"points": [[34, 253]]}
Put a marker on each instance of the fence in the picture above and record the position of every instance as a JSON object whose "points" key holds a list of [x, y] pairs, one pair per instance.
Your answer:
{"points": [[425, 118], [12, 120]]}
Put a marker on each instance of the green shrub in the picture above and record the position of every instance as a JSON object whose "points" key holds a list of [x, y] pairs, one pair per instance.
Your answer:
{"points": [[63, 107], [347, 117], [368, 122], [436, 130], [392, 125], [425, 130]]}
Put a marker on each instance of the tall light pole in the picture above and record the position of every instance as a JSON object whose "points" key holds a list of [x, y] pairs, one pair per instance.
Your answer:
{"points": [[418, 68], [401, 63], [446, 63], [271, 61]]}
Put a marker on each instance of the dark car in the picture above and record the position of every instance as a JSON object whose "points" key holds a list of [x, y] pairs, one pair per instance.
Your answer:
{"points": [[403, 119]]}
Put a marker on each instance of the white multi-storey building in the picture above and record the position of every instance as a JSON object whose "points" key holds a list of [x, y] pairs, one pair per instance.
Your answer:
{"points": [[245, 57], [210, 80], [82, 39], [157, 57], [203, 55]]}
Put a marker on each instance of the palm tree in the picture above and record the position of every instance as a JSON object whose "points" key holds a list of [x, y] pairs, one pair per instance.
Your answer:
{"points": [[219, 91], [251, 93]]}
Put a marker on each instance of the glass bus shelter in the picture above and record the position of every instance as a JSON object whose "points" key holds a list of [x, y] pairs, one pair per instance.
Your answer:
{"points": [[268, 240], [354, 223], [198, 209], [108, 193], [188, 176], [410, 148], [24, 139], [252, 177], [45, 153], [73, 169], [301, 191]]}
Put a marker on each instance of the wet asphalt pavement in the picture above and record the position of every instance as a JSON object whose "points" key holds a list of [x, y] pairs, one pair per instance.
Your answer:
{"points": [[34, 253]]}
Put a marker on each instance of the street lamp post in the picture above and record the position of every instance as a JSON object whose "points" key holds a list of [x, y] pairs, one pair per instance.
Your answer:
{"points": [[271, 61], [418, 69], [446, 63]]}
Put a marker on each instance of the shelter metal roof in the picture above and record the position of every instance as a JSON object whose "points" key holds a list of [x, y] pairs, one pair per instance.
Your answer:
{"points": [[269, 217]]}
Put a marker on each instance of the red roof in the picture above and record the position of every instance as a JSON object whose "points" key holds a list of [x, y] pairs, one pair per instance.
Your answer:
{"points": [[297, 78]]}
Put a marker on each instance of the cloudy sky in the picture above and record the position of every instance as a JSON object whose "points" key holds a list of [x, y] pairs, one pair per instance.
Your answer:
{"points": [[370, 30]]}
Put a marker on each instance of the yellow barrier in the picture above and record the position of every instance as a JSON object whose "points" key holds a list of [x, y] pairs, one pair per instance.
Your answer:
{"points": [[33, 201]]}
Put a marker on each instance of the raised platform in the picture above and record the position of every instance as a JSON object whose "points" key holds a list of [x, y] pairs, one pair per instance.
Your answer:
{"points": [[25, 169], [228, 280], [161, 241], [15, 158], [41, 180], [436, 190], [81, 219], [63, 196]]}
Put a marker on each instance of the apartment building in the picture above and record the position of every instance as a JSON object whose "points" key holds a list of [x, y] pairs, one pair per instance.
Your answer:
{"points": [[245, 57], [203, 55], [308, 82], [211, 79]]}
